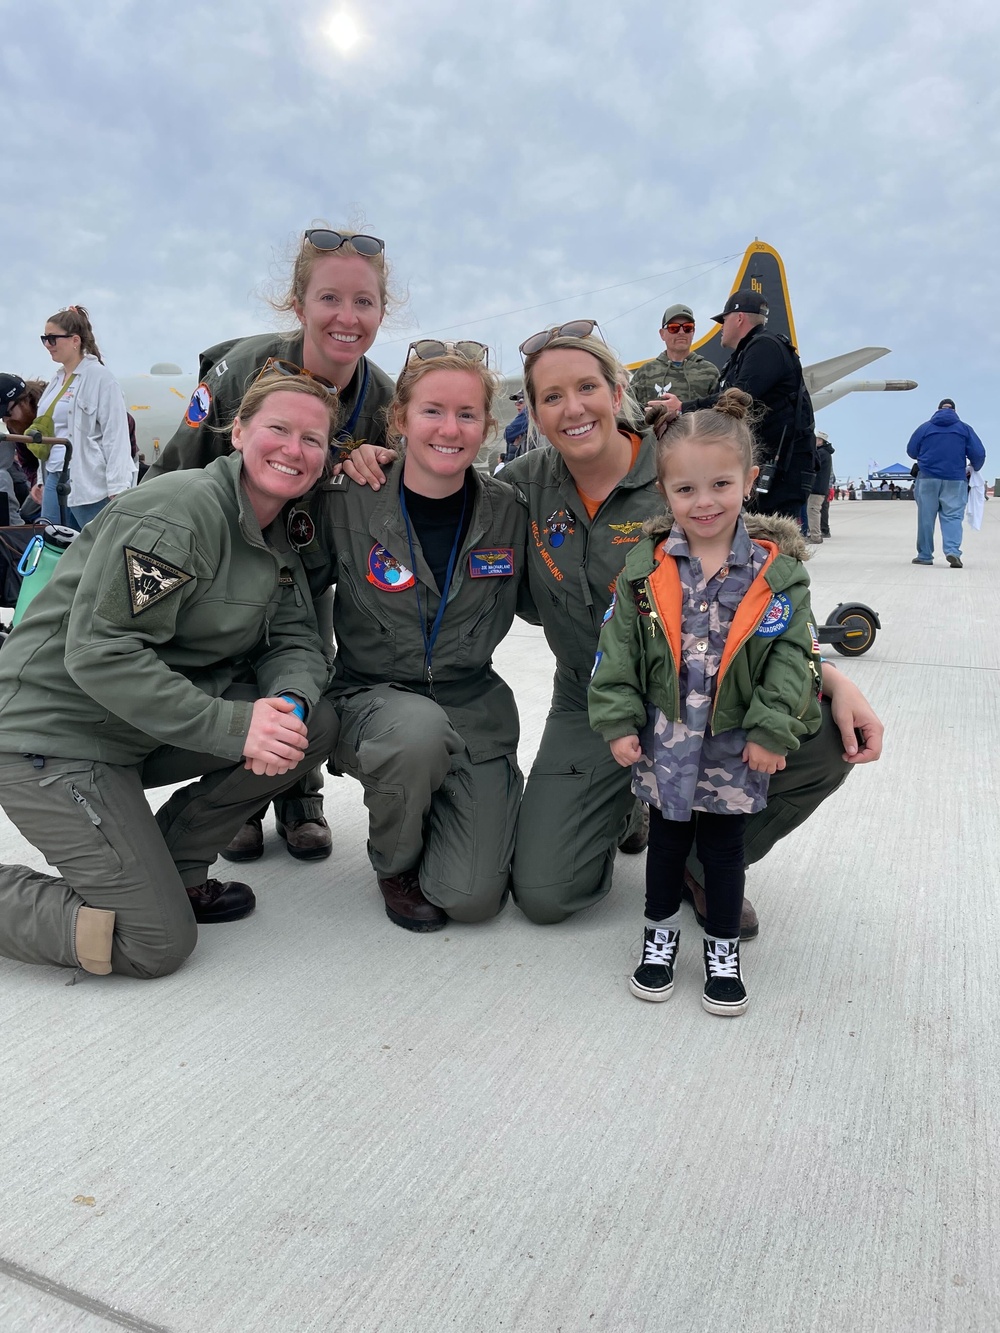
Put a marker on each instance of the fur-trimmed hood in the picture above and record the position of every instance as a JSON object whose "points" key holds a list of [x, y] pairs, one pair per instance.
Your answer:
{"points": [[784, 532]]}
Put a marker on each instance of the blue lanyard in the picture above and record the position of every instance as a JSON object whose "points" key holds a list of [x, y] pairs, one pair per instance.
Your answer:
{"points": [[431, 638], [347, 432]]}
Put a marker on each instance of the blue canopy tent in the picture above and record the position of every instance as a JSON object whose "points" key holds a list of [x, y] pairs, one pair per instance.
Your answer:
{"points": [[894, 472]]}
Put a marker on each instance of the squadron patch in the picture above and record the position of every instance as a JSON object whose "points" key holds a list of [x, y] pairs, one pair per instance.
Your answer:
{"points": [[387, 573], [150, 579], [301, 529], [492, 562], [776, 617], [198, 407], [640, 595], [559, 525]]}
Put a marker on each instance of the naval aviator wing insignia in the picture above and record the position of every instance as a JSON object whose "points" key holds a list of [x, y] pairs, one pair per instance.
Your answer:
{"points": [[150, 579]]}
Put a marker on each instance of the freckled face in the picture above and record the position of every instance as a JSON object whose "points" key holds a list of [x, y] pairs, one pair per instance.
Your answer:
{"points": [[284, 448], [704, 484], [341, 314], [575, 408], [444, 425]]}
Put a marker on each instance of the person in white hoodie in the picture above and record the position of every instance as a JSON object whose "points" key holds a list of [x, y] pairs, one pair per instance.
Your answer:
{"points": [[84, 404]]}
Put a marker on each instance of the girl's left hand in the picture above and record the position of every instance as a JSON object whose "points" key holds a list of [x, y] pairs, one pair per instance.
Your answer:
{"points": [[761, 760]]}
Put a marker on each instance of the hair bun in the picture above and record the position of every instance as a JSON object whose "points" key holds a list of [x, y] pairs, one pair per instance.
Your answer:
{"points": [[734, 403]]}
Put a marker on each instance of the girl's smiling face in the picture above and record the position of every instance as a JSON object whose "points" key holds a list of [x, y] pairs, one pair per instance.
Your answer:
{"points": [[704, 483]]}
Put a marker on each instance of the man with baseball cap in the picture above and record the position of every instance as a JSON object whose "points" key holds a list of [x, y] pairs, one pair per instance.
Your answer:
{"points": [[767, 367], [677, 370]]}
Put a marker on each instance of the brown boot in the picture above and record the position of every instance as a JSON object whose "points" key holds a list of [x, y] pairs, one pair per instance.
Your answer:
{"points": [[695, 895], [407, 906], [248, 845], [95, 930], [218, 900], [636, 839], [306, 839]]}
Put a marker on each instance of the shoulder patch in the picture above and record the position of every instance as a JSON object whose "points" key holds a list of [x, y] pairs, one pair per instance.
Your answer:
{"points": [[198, 407], [641, 597], [150, 579], [776, 617]]}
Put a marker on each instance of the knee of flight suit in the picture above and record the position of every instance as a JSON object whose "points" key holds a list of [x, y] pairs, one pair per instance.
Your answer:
{"points": [[147, 960], [393, 738]]}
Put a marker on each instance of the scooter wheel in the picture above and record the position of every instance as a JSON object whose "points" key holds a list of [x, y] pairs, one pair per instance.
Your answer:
{"points": [[860, 627]]}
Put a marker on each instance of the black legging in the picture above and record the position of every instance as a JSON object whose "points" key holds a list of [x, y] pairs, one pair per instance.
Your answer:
{"points": [[720, 849]]}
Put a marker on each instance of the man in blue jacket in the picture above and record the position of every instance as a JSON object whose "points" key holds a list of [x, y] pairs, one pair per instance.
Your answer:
{"points": [[945, 448]]}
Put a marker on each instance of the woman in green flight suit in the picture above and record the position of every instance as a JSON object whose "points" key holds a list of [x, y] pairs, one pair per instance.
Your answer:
{"points": [[338, 293], [123, 675]]}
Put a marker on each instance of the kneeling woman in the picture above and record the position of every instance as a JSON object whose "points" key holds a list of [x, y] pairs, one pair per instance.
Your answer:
{"points": [[121, 676], [426, 572]]}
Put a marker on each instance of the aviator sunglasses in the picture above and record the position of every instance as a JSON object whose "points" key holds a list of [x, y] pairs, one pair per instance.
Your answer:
{"points": [[675, 327], [576, 328], [289, 368], [324, 239], [428, 348], [50, 339]]}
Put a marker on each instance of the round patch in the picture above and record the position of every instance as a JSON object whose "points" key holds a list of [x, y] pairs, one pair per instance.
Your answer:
{"points": [[385, 571], [301, 529], [197, 408], [776, 617], [559, 525]]}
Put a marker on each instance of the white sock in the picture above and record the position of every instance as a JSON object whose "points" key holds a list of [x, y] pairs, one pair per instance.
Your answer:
{"points": [[668, 922], [718, 939]]}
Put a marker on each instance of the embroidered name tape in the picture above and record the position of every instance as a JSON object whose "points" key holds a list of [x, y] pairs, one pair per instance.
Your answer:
{"points": [[492, 562]]}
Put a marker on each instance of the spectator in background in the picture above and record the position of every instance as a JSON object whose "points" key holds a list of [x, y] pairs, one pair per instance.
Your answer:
{"points": [[944, 449], [821, 488], [677, 370]]}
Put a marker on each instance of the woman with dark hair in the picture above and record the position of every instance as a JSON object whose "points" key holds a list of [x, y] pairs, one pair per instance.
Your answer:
{"points": [[82, 403], [127, 672]]}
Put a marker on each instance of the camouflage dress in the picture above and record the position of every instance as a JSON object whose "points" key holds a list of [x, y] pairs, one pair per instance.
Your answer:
{"points": [[684, 767]]}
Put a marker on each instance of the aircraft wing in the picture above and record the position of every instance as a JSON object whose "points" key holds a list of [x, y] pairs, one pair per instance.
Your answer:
{"points": [[830, 395], [821, 373]]}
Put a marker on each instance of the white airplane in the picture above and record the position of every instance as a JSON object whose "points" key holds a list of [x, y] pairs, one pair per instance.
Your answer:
{"points": [[157, 401]]}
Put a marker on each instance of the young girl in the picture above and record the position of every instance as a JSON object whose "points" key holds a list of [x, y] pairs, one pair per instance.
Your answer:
{"points": [[706, 676]]}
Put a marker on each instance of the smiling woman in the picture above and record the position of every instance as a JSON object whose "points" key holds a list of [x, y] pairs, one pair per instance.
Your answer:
{"points": [[139, 652]]}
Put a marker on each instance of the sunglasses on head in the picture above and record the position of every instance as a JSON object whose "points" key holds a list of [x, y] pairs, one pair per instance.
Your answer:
{"points": [[324, 239], [576, 328], [676, 327], [426, 349], [50, 339], [275, 365]]}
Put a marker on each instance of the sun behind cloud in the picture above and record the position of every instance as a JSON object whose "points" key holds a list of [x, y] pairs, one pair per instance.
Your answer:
{"points": [[343, 31]]}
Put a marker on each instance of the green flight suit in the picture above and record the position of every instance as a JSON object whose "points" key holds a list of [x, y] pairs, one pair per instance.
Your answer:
{"points": [[122, 675], [694, 377], [226, 372], [578, 800], [435, 750]]}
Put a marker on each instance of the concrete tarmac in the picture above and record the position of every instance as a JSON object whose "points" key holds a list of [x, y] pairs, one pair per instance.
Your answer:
{"points": [[323, 1122]]}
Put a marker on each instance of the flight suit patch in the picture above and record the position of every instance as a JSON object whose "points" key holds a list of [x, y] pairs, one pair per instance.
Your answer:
{"points": [[301, 529], [150, 579], [198, 407], [641, 597], [627, 534], [611, 607], [491, 562], [776, 617], [386, 572], [559, 525]]}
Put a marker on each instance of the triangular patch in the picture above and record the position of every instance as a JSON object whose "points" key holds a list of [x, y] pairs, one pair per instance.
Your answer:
{"points": [[150, 579]]}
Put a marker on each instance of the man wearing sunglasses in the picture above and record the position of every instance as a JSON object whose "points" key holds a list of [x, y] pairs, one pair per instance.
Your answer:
{"points": [[677, 370]]}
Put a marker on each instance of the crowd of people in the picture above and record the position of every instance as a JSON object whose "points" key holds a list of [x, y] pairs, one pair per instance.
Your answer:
{"points": [[306, 500]]}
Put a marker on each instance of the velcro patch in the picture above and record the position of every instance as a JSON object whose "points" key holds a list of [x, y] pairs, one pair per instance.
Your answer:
{"points": [[641, 596], [776, 618], [491, 562], [150, 579], [198, 407]]}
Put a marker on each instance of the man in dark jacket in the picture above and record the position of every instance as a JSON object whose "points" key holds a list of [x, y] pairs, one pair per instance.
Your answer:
{"points": [[820, 488], [945, 448], [767, 367]]}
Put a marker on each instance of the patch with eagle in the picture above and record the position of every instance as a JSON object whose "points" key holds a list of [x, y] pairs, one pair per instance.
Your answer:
{"points": [[150, 579]]}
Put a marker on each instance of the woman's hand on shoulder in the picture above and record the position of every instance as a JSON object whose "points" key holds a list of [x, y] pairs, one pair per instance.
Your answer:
{"points": [[365, 463]]}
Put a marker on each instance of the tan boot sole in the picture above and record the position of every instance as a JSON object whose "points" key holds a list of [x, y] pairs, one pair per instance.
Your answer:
{"points": [[95, 930]]}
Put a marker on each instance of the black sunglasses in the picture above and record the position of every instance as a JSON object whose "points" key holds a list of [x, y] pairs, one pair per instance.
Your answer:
{"points": [[426, 349], [576, 328], [50, 339], [323, 239]]}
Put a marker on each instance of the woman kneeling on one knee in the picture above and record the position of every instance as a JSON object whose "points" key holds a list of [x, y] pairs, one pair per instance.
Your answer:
{"points": [[122, 675], [426, 572]]}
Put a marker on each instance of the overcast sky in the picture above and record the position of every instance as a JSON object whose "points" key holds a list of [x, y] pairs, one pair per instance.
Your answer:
{"points": [[526, 162]]}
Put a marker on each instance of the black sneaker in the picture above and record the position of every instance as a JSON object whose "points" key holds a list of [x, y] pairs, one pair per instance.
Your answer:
{"points": [[725, 993], [955, 561], [653, 979]]}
